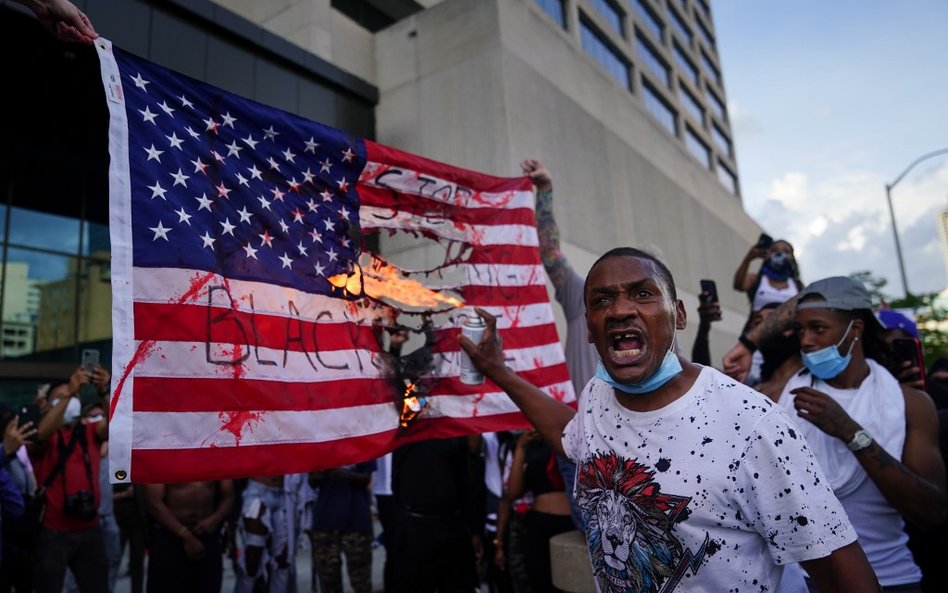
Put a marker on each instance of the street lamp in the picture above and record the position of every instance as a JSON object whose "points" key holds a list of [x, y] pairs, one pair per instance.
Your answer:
{"points": [[888, 197]]}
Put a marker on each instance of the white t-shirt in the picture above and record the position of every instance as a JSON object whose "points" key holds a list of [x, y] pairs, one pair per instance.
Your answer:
{"points": [[714, 492]]}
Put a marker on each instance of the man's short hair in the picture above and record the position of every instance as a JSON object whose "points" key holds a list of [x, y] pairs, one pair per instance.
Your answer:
{"points": [[664, 274], [54, 386]]}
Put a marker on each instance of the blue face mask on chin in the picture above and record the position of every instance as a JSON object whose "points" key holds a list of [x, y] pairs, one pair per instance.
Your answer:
{"points": [[827, 363], [670, 368]]}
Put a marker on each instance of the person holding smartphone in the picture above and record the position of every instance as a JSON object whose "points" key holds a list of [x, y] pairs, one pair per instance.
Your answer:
{"points": [[777, 281]]}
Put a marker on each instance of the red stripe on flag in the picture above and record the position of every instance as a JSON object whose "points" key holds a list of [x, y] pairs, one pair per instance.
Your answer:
{"points": [[202, 324], [487, 183], [178, 394], [182, 394]]}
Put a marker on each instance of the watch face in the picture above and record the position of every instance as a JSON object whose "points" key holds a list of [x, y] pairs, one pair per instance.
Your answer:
{"points": [[860, 441]]}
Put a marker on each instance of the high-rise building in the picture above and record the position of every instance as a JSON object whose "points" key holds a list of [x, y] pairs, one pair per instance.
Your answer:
{"points": [[624, 101]]}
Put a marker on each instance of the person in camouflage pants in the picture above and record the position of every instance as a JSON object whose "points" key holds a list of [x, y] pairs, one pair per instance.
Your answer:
{"points": [[342, 524]]}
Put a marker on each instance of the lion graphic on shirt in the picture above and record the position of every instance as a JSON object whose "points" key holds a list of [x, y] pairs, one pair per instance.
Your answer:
{"points": [[629, 524]]}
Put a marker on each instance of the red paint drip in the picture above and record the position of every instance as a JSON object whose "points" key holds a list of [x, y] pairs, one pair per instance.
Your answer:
{"points": [[147, 346], [558, 394], [235, 422], [477, 400]]}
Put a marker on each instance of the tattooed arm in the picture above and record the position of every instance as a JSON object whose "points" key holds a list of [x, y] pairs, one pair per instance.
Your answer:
{"points": [[914, 485], [555, 264], [737, 362]]}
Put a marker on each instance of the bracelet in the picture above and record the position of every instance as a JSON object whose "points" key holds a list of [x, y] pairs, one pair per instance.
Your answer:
{"points": [[746, 342], [182, 531]]}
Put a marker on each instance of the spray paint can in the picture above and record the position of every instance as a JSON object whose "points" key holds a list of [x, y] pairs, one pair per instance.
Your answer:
{"points": [[472, 328]]}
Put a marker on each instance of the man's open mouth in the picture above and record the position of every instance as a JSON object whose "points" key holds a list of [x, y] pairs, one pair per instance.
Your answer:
{"points": [[626, 346]]}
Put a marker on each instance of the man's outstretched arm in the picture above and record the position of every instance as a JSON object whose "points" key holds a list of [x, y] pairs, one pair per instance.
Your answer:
{"points": [[846, 570], [555, 264], [549, 416]]}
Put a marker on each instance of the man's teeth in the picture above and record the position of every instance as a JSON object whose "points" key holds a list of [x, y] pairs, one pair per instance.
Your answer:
{"points": [[627, 353]]}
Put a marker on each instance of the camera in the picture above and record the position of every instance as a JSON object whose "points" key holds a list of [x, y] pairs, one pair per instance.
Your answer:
{"points": [[80, 505]]}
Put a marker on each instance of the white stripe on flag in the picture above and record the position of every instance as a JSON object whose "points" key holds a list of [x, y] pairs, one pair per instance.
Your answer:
{"points": [[189, 360], [477, 234]]}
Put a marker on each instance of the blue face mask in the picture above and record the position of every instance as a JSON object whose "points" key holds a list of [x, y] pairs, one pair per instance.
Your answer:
{"points": [[827, 363], [666, 372]]}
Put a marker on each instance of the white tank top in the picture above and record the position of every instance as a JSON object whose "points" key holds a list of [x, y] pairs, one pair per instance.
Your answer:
{"points": [[767, 293]]}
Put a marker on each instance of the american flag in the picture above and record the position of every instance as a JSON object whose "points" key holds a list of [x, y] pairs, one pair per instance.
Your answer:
{"points": [[234, 353]]}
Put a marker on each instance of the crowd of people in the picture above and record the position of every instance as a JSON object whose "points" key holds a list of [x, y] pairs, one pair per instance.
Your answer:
{"points": [[814, 462]]}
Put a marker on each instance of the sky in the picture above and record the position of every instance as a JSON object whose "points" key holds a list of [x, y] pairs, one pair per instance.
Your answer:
{"points": [[829, 101]]}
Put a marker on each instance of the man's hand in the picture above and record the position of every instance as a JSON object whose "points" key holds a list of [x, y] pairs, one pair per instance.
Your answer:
{"points": [[207, 525], [823, 411], [78, 378], [193, 548], [100, 378], [537, 173], [911, 375], [708, 313], [737, 362], [500, 557], [487, 356], [63, 19], [15, 436]]}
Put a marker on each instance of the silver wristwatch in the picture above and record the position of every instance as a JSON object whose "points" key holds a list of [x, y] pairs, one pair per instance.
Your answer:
{"points": [[861, 440]]}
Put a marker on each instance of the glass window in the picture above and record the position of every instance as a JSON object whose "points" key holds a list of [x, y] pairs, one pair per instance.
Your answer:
{"points": [[95, 301], [658, 108], [710, 68], [610, 14], [653, 24], [39, 296], [685, 64], [3, 222], [697, 147], [705, 7], [722, 140], [691, 104], [727, 179], [95, 240], [705, 34], [603, 53], [651, 60], [679, 25], [47, 231], [716, 106], [555, 10]]}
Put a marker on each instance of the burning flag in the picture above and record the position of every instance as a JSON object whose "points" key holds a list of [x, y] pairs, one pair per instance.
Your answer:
{"points": [[249, 321]]}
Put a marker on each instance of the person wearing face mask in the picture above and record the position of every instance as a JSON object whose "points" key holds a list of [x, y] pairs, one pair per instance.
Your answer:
{"points": [[687, 481], [876, 440], [66, 459], [777, 281]]}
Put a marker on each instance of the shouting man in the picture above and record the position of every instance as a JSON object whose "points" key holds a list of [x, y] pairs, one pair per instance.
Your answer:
{"points": [[687, 480]]}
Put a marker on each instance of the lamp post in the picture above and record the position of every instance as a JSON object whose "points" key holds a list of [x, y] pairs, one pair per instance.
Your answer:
{"points": [[888, 197]]}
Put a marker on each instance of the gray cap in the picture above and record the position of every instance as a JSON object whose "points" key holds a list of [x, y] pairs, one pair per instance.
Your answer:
{"points": [[838, 292]]}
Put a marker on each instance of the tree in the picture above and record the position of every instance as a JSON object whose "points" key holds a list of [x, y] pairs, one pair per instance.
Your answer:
{"points": [[874, 284]]}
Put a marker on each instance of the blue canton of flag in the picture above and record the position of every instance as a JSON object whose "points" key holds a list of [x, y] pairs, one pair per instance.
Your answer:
{"points": [[223, 184]]}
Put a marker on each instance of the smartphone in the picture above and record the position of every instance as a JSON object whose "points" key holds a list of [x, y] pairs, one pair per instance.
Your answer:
{"points": [[29, 413], [90, 359], [709, 292], [765, 241], [910, 349]]}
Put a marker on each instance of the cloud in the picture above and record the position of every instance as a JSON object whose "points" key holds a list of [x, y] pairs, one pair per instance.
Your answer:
{"points": [[790, 190], [743, 122], [840, 224]]}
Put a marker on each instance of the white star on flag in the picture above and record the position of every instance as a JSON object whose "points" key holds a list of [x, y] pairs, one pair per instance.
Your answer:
{"points": [[160, 231]]}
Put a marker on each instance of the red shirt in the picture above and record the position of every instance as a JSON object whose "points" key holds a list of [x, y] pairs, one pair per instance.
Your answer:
{"points": [[75, 474]]}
